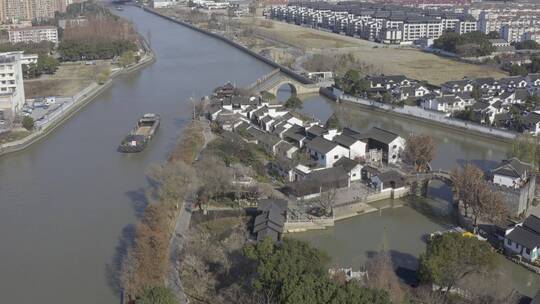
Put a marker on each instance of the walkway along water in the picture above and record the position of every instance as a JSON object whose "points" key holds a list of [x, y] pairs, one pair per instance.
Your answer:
{"points": [[67, 110]]}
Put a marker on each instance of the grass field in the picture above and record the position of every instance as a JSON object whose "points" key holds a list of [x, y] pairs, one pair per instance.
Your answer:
{"points": [[385, 59], [67, 81], [10, 136]]}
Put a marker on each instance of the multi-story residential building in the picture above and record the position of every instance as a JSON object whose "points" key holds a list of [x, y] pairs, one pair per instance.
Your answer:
{"points": [[17, 10], [376, 22], [33, 34], [12, 96]]}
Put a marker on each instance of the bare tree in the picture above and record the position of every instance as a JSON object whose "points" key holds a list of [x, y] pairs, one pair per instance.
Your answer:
{"points": [[419, 151], [382, 276], [327, 200], [478, 196]]}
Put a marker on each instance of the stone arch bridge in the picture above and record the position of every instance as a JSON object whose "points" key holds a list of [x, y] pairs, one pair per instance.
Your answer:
{"points": [[272, 81], [420, 181]]}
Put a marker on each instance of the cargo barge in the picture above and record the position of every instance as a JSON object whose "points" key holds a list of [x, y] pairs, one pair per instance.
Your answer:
{"points": [[141, 135]]}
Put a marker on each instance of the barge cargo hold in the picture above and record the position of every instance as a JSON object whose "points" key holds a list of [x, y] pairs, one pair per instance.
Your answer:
{"points": [[141, 135]]}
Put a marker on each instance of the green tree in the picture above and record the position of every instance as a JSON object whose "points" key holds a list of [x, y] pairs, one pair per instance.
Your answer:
{"points": [[333, 122], [104, 76], [476, 93], [157, 295], [527, 45], [493, 35], [518, 70], [47, 64], [293, 102], [452, 257], [267, 96], [127, 58], [28, 123], [295, 273], [526, 148]]}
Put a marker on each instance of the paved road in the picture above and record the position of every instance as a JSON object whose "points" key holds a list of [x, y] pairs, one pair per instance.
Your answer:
{"points": [[180, 233]]}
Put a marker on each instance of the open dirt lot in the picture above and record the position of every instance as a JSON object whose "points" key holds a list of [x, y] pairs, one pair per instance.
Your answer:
{"points": [[386, 59], [67, 81]]}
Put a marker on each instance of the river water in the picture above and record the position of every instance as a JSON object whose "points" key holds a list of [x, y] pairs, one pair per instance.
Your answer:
{"points": [[65, 201]]}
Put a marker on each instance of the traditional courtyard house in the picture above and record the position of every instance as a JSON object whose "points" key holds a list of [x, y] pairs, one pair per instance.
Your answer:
{"points": [[318, 181], [487, 84], [413, 91], [285, 150], [271, 219], [445, 103], [352, 167], [511, 173], [511, 83], [482, 111], [532, 123], [390, 143], [376, 82], [315, 131], [228, 121], [521, 95], [396, 81], [514, 180], [534, 80], [325, 152], [213, 112], [507, 97], [457, 86], [267, 141], [356, 147], [295, 135], [524, 239], [388, 181]]}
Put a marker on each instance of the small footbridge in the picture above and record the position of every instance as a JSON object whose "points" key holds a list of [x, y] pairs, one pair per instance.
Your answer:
{"points": [[299, 84]]}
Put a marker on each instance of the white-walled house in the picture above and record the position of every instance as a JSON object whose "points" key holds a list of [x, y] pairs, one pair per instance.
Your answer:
{"points": [[445, 103], [388, 181], [325, 152], [356, 147], [511, 173], [352, 167], [524, 239]]}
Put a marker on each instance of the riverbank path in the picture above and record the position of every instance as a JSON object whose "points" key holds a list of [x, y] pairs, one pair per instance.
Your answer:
{"points": [[181, 230]]}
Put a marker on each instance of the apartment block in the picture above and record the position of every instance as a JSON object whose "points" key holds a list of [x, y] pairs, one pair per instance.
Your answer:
{"points": [[12, 96], [384, 23], [33, 34]]}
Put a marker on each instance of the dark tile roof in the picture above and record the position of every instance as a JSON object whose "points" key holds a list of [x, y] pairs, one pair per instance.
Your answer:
{"points": [[295, 132], [391, 176], [532, 222], [524, 237], [316, 130], [345, 140], [480, 106], [532, 118], [321, 144], [380, 135], [512, 167], [346, 163]]}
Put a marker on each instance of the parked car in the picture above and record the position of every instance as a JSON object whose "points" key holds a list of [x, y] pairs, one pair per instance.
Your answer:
{"points": [[39, 104], [50, 100]]}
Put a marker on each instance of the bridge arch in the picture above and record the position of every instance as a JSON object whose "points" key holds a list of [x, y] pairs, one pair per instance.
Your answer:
{"points": [[284, 91]]}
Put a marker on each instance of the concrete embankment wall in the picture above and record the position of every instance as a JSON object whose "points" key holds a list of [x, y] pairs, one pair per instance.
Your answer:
{"points": [[78, 105], [285, 70], [421, 115], [347, 210]]}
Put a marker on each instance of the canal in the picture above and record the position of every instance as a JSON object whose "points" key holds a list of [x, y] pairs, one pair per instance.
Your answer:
{"points": [[65, 202]]}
